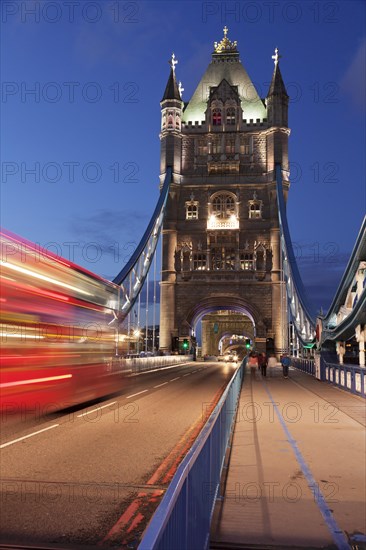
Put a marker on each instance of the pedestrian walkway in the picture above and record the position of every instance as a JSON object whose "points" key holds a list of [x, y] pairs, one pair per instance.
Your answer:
{"points": [[296, 471]]}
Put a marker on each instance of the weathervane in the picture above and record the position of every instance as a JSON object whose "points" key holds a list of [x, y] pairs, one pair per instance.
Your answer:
{"points": [[173, 62], [276, 56]]}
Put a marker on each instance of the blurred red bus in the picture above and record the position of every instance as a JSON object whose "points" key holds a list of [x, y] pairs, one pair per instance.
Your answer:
{"points": [[58, 330]]}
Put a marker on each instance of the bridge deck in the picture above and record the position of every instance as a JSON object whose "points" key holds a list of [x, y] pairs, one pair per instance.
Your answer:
{"points": [[289, 434]]}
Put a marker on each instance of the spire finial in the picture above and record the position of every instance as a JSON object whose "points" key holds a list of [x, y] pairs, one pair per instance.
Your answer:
{"points": [[276, 56], [226, 30], [173, 62], [180, 88]]}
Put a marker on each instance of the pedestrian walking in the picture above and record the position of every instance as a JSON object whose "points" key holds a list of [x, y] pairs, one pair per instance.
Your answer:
{"points": [[272, 362], [285, 362], [253, 362], [262, 361]]}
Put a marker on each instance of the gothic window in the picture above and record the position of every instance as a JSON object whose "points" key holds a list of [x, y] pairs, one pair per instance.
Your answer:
{"points": [[246, 262], [199, 262], [177, 121], [245, 146], [170, 119], [223, 259], [192, 210], [223, 206], [186, 260], [255, 210], [223, 237], [216, 259], [230, 145], [216, 117], [230, 116], [202, 148], [216, 146], [260, 259], [230, 259]]}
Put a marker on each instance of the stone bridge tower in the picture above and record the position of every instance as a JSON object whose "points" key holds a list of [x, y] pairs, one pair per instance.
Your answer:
{"points": [[221, 248]]}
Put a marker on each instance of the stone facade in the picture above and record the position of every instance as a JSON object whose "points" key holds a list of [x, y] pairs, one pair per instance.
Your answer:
{"points": [[221, 231]]}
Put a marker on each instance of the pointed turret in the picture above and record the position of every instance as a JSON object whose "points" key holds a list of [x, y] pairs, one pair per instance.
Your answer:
{"points": [[172, 90], [171, 122], [277, 115], [277, 86], [277, 97]]}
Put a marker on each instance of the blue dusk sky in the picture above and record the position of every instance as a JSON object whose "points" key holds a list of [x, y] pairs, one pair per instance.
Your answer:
{"points": [[81, 86]]}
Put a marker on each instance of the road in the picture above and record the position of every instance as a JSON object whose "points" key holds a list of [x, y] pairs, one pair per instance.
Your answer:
{"points": [[94, 475]]}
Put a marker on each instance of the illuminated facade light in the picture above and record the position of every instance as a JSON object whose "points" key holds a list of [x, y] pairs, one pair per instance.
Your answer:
{"points": [[225, 223]]}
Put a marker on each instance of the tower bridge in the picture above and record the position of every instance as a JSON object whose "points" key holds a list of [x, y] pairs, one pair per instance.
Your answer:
{"points": [[221, 234], [193, 435]]}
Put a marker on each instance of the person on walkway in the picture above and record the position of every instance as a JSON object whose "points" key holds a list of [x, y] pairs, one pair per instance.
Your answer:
{"points": [[253, 362], [262, 363], [272, 362], [285, 362]]}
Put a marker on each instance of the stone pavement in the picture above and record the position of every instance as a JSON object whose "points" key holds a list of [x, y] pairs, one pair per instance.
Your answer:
{"points": [[296, 472]]}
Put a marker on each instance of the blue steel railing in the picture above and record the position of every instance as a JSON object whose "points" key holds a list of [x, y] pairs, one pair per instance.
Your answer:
{"points": [[182, 520], [348, 377], [306, 365], [132, 277]]}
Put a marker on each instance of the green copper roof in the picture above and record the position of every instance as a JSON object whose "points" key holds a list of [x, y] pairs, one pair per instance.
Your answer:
{"points": [[225, 64]]}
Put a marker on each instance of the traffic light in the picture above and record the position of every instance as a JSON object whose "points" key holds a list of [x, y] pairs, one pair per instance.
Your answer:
{"points": [[247, 343], [185, 344]]}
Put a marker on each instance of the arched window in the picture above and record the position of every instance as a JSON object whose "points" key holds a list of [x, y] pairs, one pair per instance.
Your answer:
{"points": [[255, 210], [216, 117], [177, 121], [223, 206], [170, 119], [223, 211], [260, 260], [230, 116], [192, 210]]}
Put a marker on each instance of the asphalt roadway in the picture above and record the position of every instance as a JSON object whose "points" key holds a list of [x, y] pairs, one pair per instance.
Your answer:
{"points": [[94, 475]]}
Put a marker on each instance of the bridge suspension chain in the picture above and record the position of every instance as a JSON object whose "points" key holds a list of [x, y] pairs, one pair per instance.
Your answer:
{"points": [[132, 277], [299, 310]]}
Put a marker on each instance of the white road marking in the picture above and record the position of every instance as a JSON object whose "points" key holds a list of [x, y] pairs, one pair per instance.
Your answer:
{"points": [[172, 380], [97, 409], [188, 374], [29, 435], [134, 394], [159, 385]]}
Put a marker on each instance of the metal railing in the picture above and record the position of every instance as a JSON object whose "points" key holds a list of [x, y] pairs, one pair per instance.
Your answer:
{"points": [[347, 377], [305, 365], [182, 520], [135, 365]]}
